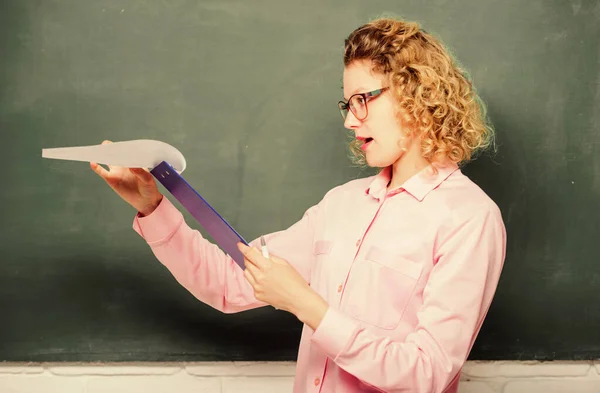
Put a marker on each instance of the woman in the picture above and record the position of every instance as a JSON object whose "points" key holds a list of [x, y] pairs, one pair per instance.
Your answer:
{"points": [[391, 275]]}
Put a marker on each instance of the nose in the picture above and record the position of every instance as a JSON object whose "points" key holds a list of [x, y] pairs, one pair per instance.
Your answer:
{"points": [[351, 122]]}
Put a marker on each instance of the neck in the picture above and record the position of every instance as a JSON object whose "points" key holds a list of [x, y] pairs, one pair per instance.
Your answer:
{"points": [[411, 163]]}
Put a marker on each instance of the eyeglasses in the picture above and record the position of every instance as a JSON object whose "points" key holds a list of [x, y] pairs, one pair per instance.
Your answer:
{"points": [[357, 103]]}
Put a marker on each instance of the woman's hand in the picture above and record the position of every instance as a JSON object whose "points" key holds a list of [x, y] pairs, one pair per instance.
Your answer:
{"points": [[135, 185], [277, 283]]}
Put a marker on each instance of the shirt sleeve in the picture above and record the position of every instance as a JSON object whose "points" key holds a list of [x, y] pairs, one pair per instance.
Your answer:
{"points": [[456, 299], [205, 270]]}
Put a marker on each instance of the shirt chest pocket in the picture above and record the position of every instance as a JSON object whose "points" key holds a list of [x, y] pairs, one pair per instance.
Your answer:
{"points": [[380, 286]]}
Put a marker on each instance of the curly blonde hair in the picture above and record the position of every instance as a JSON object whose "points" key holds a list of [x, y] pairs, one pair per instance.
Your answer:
{"points": [[437, 101]]}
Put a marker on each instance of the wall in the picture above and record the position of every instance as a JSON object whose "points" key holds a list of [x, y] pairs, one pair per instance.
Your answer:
{"points": [[478, 377]]}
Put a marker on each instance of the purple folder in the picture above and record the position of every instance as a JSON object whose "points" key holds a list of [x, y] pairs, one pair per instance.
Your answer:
{"points": [[220, 230]]}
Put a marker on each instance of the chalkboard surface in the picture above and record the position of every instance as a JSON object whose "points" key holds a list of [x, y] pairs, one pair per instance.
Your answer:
{"points": [[248, 92]]}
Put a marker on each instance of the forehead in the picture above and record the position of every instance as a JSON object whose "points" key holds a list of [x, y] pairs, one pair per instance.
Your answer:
{"points": [[359, 78]]}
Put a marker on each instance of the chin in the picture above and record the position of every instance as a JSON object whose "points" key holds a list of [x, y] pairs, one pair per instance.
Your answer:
{"points": [[378, 162], [388, 158]]}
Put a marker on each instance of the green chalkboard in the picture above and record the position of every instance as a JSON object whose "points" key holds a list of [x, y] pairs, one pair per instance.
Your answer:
{"points": [[248, 91]]}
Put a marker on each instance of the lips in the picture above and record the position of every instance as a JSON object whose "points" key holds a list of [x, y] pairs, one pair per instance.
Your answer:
{"points": [[365, 142]]}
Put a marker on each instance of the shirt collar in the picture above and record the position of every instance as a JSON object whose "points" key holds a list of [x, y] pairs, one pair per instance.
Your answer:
{"points": [[419, 185]]}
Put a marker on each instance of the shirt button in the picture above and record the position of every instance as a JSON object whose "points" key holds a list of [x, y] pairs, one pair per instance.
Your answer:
{"points": [[358, 243], [340, 288], [317, 381]]}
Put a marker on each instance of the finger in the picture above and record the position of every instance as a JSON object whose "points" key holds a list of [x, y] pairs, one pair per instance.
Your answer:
{"points": [[250, 262], [252, 270], [99, 170], [253, 255], [250, 278], [142, 174]]}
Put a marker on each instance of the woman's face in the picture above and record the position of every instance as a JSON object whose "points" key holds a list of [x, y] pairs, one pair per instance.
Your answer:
{"points": [[383, 140]]}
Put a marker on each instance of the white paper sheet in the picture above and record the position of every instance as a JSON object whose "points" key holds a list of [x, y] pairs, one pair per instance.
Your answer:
{"points": [[139, 153]]}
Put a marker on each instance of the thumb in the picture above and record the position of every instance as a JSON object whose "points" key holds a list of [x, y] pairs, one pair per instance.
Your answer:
{"points": [[142, 174]]}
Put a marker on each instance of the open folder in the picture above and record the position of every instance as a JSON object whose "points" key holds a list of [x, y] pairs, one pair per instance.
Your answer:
{"points": [[166, 164]]}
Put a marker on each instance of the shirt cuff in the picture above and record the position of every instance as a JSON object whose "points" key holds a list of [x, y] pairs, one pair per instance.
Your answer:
{"points": [[334, 333], [159, 225]]}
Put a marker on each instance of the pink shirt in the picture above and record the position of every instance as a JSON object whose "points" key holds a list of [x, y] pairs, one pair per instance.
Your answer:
{"points": [[408, 274]]}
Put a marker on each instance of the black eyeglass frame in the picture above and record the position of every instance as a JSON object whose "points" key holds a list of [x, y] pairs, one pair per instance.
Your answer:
{"points": [[344, 106]]}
